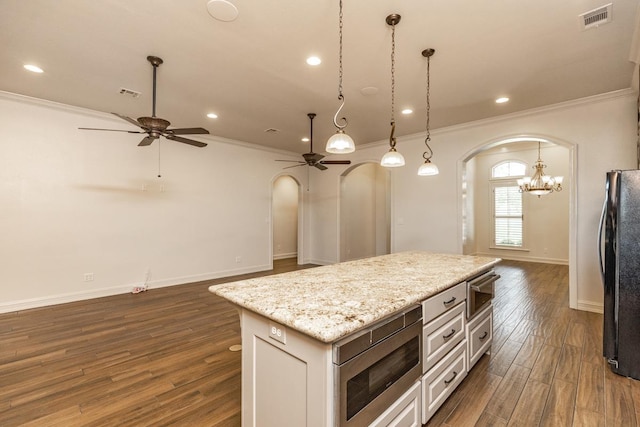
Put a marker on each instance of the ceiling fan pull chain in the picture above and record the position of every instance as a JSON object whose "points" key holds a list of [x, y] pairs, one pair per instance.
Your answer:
{"points": [[159, 145]]}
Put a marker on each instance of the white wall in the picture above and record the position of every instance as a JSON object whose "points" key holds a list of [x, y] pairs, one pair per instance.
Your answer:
{"points": [[73, 203], [426, 211], [546, 218], [364, 218], [285, 217]]}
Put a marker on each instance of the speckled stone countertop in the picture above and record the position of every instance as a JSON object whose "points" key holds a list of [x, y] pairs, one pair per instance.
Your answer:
{"points": [[332, 301]]}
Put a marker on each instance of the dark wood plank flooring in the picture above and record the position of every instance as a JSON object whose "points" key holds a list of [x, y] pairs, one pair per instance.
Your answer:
{"points": [[162, 358]]}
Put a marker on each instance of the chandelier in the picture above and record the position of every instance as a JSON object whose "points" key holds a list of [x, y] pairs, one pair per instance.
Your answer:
{"points": [[540, 184]]}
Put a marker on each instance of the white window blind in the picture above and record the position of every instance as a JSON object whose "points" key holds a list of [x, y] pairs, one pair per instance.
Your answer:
{"points": [[507, 203]]}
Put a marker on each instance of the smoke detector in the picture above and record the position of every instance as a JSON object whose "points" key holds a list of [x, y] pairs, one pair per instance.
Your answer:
{"points": [[596, 17]]}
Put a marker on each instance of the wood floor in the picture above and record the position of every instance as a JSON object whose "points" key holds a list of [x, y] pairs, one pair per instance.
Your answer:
{"points": [[161, 358]]}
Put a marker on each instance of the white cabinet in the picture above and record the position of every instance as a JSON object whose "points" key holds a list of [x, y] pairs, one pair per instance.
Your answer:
{"points": [[479, 335], [441, 335], [405, 412], [442, 380], [444, 347]]}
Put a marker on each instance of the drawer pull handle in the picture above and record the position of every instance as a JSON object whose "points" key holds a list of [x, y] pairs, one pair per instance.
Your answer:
{"points": [[449, 335], [483, 335], [451, 301], [447, 382]]}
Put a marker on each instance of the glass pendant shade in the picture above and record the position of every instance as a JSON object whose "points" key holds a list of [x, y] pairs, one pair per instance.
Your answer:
{"points": [[428, 169], [392, 159], [340, 143]]}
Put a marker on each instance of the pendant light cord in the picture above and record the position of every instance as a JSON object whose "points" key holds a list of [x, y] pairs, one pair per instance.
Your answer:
{"points": [[392, 139], [429, 153], [340, 95]]}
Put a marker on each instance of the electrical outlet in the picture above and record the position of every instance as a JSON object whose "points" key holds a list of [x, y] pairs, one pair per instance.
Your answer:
{"points": [[238, 259], [277, 332], [88, 277]]}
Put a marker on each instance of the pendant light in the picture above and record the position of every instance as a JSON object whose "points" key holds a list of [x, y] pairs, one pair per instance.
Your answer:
{"points": [[540, 184], [340, 143], [392, 158], [428, 168]]}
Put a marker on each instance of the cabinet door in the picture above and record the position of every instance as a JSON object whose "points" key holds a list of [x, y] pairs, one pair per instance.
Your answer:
{"points": [[479, 335], [441, 335], [442, 380], [404, 412]]}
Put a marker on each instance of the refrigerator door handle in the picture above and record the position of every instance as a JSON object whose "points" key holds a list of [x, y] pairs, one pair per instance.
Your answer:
{"points": [[600, 229]]}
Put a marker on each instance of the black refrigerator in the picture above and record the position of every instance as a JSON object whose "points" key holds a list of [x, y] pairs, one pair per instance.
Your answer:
{"points": [[620, 267]]}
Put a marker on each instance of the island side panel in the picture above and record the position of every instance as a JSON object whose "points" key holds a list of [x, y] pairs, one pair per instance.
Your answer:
{"points": [[287, 377]]}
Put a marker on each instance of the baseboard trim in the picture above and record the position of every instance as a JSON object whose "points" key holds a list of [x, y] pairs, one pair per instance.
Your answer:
{"points": [[594, 307], [516, 257], [26, 304], [285, 256]]}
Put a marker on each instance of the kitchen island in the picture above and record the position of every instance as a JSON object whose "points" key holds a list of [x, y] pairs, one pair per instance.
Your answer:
{"points": [[290, 322]]}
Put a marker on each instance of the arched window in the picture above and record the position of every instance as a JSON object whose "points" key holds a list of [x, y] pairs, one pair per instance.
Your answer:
{"points": [[506, 202]]}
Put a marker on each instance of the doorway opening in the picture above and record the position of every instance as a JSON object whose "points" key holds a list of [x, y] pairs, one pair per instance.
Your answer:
{"points": [[365, 212], [285, 206], [548, 222]]}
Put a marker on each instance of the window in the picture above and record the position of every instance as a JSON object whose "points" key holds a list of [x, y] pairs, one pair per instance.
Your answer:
{"points": [[506, 204]]}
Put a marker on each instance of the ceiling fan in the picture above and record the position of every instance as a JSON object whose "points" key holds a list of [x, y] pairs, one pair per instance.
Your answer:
{"points": [[155, 127], [314, 159]]}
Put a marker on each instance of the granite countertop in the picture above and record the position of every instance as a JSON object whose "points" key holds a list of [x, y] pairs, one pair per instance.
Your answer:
{"points": [[330, 302]]}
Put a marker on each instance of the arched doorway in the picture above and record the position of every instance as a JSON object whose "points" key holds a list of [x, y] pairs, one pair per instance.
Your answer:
{"points": [[365, 208], [551, 220], [285, 207]]}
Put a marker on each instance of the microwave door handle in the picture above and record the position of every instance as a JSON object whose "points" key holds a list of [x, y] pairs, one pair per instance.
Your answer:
{"points": [[487, 282]]}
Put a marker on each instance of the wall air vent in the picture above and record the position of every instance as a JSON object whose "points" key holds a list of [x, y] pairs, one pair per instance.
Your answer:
{"points": [[596, 17], [129, 92]]}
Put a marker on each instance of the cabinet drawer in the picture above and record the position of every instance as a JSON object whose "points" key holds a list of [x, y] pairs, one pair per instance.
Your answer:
{"points": [[441, 335], [480, 335], [442, 380], [404, 412], [442, 302]]}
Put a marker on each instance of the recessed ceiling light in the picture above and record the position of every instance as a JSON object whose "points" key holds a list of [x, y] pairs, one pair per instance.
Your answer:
{"points": [[33, 68], [407, 111], [212, 115], [305, 139], [222, 10], [369, 90], [314, 60], [502, 100]]}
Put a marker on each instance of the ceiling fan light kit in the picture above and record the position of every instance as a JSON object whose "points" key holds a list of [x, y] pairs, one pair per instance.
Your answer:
{"points": [[155, 127]]}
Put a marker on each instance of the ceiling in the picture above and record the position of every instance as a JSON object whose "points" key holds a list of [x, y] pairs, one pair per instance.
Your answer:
{"points": [[252, 71]]}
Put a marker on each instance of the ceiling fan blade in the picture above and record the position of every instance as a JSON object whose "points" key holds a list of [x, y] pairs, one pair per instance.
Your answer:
{"points": [[114, 130], [185, 140], [336, 162], [295, 166], [128, 119], [188, 131], [321, 166], [291, 161], [312, 157], [146, 141]]}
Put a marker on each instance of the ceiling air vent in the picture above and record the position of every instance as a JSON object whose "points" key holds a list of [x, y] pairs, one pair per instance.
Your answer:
{"points": [[596, 17], [129, 92], [272, 130]]}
